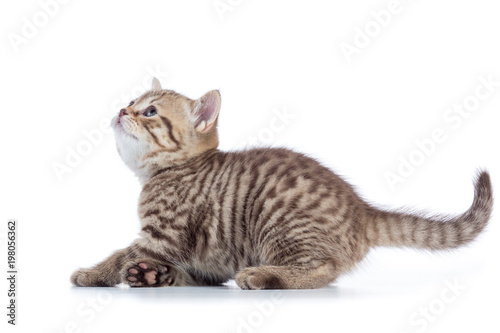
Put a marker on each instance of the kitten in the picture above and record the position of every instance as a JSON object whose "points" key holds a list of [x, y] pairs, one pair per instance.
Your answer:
{"points": [[270, 218]]}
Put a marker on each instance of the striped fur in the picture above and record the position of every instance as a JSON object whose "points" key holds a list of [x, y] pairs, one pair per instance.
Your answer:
{"points": [[270, 218]]}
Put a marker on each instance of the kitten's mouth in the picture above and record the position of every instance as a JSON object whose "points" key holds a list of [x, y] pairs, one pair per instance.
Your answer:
{"points": [[118, 126]]}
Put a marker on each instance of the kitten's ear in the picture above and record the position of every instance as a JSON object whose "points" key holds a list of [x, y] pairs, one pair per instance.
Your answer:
{"points": [[206, 111], [156, 84]]}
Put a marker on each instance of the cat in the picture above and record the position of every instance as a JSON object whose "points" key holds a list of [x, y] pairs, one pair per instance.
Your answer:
{"points": [[268, 218]]}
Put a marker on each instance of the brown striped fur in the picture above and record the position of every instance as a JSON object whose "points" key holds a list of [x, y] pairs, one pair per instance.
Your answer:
{"points": [[269, 218]]}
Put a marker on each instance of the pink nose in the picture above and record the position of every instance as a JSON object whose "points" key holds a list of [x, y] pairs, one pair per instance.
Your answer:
{"points": [[123, 112]]}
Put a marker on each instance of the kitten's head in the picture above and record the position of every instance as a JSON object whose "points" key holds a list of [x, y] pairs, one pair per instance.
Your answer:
{"points": [[162, 128]]}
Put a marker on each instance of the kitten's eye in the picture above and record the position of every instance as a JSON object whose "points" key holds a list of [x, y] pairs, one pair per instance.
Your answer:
{"points": [[151, 111], [131, 103]]}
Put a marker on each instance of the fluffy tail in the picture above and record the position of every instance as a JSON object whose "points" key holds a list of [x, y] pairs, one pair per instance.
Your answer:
{"points": [[409, 230]]}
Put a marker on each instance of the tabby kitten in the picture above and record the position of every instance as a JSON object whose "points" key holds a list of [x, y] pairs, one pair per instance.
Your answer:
{"points": [[270, 218]]}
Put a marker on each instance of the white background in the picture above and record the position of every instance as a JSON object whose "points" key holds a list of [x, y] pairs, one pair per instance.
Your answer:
{"points": [[358, 118]]}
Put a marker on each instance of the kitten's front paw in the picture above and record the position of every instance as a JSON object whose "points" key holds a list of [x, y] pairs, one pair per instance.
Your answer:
{"points": [[147, 273], [255, 278], [86, 277]]}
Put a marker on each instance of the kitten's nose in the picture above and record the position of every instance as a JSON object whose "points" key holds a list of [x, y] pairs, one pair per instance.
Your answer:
{"points": [[123, 112]]}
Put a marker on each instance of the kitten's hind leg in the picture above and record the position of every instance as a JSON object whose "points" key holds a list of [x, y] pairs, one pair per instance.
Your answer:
{"points": [[286, 277]]}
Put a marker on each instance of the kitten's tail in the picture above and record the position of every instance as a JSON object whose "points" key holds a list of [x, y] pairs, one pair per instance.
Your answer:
{"points": [[400, 229]]}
